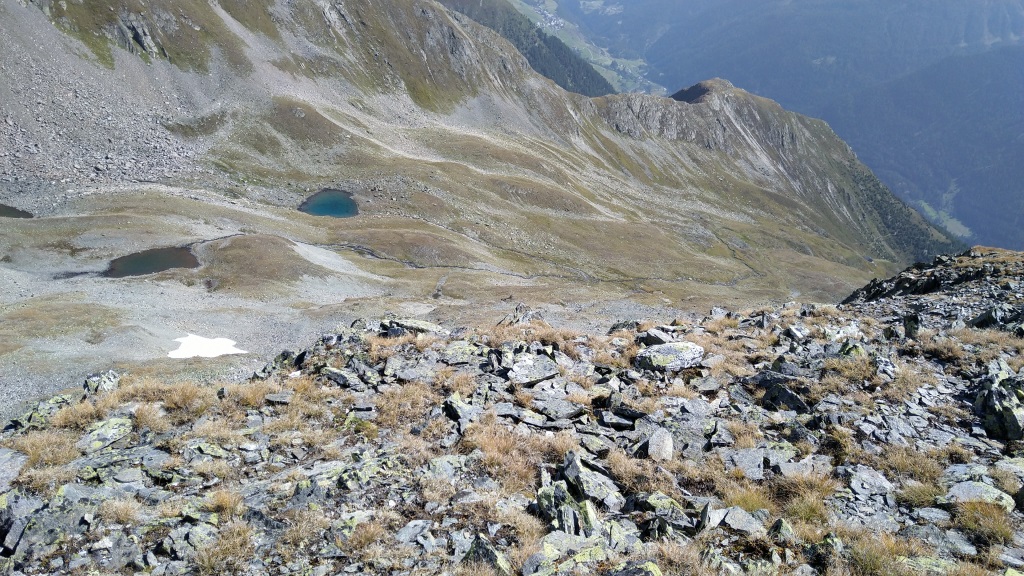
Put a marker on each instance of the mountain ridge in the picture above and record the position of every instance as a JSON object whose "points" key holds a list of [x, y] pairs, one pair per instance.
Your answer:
{"points": [[474, 177]]}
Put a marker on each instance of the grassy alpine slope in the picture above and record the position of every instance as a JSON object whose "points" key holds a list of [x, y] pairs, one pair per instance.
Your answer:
{"points": [[475, 177]]}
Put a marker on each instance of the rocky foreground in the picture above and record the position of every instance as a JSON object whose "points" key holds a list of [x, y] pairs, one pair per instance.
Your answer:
{"points": [[880, 436]]}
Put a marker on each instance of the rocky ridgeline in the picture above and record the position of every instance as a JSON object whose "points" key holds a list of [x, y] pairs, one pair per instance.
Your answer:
{"points": [[881, 436]]}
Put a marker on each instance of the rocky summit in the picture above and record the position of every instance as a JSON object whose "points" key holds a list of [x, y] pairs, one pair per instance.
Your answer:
{"points": [[878, 436]]}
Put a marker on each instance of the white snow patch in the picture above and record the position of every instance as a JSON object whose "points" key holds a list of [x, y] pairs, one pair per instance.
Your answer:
{"points": [[193, 346]]}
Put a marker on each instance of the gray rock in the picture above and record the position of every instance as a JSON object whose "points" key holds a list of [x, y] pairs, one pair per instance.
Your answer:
{"points": [[976, 491], [558, 409], [671, 357], [590, 484], [461, 412], [866, 481], [780, 397], [660, 445], [103, 382], [636, 568], [460, 352], [741, 521], [748, 460], [344, 377], [484, 552], [103, 434], [11, 463], [419, 326], [529, 369], [413, 530]]}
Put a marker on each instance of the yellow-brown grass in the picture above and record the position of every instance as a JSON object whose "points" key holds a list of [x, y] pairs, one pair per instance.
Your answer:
{"points": [[77, 416], [986, 523], [251, 394], [748, 496], [150, 416], [906, 462], [46, 447], [225, 502], [45, 480], [514, 459], [216, 468], [449, 381], [854, 369], [676, 559], [382, 347], [304, 527], [873, 554], [120, 511], [746, 434], [363, 535], [945, 349], [229, 553], [405, 403], [641, 475], [802, 498]]}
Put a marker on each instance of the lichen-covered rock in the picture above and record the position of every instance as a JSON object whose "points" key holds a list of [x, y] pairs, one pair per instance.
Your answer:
{"points": [[671, 357], [103, 434], [529, 369], [590, 484], [978, 492], [483, 552]]}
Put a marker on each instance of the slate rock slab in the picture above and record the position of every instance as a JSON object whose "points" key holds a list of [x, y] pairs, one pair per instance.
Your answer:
{"points": [[671, 357], [11, 463], [976, 491], [866, 481], [105, 433], [529, 369], [590, 484]]}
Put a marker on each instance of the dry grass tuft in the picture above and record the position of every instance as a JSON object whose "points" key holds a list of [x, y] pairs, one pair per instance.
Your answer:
{"points": [[682, 559], [304, 527], [641, 475], [919, 495], [230, 553], [968, 569], [746, 434], [854, 369], [905, 462], [717, 326], [46, 480], [406, 403], [77, 416], [219, 431], [986, 523], [225, 502], [748, 496], [46, 447], [363, 536], [945, 349], [450, 381], [120, 511], [803, 497], [872, 554], [506, 456], [215, 468], [151, 416], [381, 347], [251, 394]]}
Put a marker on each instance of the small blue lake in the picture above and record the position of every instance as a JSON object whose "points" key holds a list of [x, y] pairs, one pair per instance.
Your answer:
{"points": [[151, 262], [330, 202], [12, 212]]}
